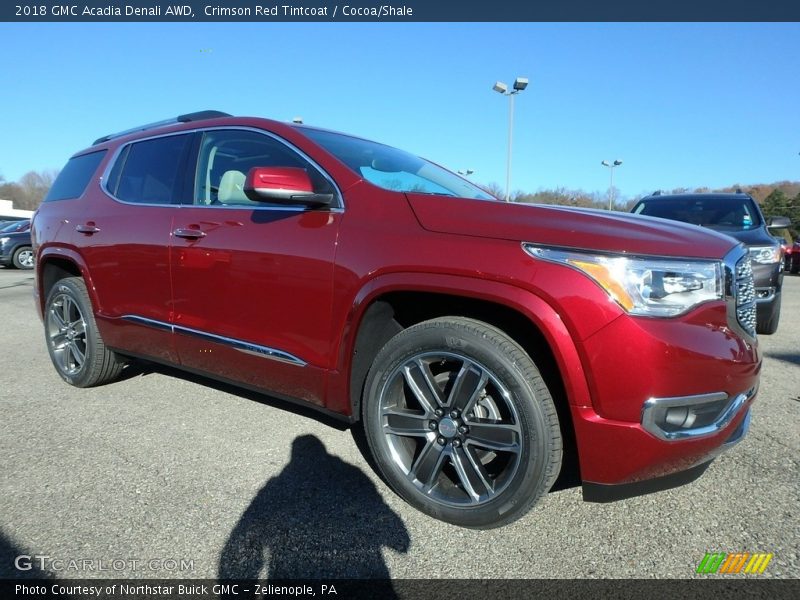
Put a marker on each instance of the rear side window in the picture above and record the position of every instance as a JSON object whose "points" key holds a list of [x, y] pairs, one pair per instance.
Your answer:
{"points": [[148, 172], [75, 176]]}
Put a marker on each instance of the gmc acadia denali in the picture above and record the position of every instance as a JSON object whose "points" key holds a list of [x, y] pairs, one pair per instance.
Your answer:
{"points": [[481, 344]]}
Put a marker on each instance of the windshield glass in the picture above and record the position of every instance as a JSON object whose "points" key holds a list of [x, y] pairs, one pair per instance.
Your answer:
{"points": [[393, 169], [15, 226], [724, 214]]}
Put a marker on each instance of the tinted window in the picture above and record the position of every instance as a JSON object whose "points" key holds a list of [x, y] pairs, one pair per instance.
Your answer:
{"points": [[716, 213], [227, 155], [148, 172], [75, 176]]}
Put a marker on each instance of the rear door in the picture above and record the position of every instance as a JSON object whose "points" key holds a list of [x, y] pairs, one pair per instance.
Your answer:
{"points": [[124, 236], [253, 282]]}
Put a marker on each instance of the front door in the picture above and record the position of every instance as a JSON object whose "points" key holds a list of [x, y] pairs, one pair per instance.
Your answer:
{"points": [[252, 282]]}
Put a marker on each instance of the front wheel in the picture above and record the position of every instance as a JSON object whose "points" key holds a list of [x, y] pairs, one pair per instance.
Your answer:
{"points": [[23, 258], [73, 340], [461, 423]]}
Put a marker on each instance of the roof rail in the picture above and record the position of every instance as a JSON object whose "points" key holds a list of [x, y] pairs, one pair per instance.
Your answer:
{"points": [[656, 193], [188, 117]]}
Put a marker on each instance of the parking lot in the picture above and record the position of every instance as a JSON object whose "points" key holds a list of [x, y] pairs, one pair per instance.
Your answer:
{"points": [[168, 475]]}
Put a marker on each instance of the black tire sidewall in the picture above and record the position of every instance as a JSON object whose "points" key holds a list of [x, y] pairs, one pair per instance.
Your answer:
{"points": [[533, 472]]}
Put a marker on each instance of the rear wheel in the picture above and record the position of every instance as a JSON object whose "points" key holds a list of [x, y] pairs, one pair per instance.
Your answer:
{"points": [[461, 424], [73, 340], [23, 257]]}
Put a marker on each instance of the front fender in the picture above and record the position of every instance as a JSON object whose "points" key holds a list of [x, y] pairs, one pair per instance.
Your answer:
{"points": [[535, 309]]}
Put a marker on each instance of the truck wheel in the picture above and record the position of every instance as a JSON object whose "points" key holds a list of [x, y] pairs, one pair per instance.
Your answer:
{"points": [[23, 257], [461, 423], [73, 340]]}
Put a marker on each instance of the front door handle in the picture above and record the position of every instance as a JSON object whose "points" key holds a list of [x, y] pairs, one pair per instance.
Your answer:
{"points": [[188, 233], [88, 229]]}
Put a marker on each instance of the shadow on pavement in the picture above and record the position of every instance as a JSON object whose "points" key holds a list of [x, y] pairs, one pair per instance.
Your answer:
{"points": [[8, 559], [320, 518], [792, 358]]}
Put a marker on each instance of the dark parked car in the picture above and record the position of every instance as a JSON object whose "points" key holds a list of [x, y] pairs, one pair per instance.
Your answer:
{"points": [[480, 348], [15, 245], [739, 216], [793, 257]]}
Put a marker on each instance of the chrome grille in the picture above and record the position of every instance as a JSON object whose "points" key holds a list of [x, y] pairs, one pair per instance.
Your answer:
{"points": [[745, 294]]}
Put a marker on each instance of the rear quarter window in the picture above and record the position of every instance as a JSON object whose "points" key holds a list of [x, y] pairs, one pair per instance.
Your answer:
{"points": [[75, 176]]}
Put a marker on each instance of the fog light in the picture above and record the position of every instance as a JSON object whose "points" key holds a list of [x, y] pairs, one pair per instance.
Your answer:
{"points": [[680, 416]]}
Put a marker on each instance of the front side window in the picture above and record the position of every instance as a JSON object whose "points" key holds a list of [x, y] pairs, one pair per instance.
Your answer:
{"points": [[148, 172], [74, 177], [227, 155]]}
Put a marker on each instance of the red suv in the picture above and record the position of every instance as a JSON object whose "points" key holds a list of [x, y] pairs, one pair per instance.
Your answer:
{"points": [[482, 344]]}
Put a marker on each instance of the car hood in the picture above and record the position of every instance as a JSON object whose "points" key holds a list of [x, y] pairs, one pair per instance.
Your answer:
{"points": [[568, 227]]}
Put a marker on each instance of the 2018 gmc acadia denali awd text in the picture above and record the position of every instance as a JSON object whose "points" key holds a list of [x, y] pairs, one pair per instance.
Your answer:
{"points": [[482, 344]]}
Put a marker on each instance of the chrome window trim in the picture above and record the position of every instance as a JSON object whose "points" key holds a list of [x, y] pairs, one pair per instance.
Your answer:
{"points": [[236, 344], [654, 405], [112, 161]]}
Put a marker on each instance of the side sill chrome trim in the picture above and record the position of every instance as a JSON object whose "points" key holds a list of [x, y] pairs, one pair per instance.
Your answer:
{"points": [[726, 416], [240, 345]]}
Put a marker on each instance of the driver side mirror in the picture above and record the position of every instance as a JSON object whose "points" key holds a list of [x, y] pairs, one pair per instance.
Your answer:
{"points": [[283, 185], [778, 222]]}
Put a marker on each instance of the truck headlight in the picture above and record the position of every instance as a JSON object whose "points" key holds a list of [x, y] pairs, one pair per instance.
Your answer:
{"points": [[644, 286], [765, 255]]}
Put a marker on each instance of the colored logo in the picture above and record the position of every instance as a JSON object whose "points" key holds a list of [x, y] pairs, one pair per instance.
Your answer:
{"points": [[742, 562]]}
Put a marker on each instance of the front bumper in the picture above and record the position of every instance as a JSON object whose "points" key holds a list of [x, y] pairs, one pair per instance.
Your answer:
{"points": [[600, 492], [667, 396]]}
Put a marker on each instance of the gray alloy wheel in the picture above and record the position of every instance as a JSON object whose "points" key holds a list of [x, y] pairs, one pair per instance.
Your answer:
{"points": [[460, 422], [66, 332], [23, 258], [73, 340], [451, 427]]}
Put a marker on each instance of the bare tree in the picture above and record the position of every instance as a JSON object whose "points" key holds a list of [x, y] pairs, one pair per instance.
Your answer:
{"points": [[34, 186]]}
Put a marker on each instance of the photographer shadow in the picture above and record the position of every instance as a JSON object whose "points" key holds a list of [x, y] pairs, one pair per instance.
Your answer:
{"points": [[320, 518]]}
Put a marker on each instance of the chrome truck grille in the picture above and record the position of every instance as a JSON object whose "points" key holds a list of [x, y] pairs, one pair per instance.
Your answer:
{"points": [[742, 293]]}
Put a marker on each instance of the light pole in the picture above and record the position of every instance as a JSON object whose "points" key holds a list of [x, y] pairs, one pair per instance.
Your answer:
{"points": [[611, 166], [520, 83]]}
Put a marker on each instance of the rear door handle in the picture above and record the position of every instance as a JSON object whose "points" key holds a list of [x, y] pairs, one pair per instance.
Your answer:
{"points": [[189, 234], [88, 229]]}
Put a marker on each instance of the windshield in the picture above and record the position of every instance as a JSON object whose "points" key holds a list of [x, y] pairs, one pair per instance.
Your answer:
{"points": [[724, 214], [393, 169], [15, 226]]}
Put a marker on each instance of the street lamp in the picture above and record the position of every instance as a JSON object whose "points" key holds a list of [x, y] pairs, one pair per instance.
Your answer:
{"points": [[520, 83], [611, 166]]}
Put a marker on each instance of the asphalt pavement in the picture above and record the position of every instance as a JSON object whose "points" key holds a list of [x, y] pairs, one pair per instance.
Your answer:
{"points": [[166, 475]]}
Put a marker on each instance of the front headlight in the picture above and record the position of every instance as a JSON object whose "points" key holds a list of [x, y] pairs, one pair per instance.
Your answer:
{"points": [[765, 255], [644, 286]]}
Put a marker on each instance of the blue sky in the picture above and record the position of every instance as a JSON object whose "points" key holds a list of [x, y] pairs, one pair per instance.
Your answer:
{"points": [[681, 104]]}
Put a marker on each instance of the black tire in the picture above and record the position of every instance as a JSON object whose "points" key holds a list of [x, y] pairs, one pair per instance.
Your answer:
{"points": [[768, 324], [461, 424], [73, 340], [23, 257]]}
